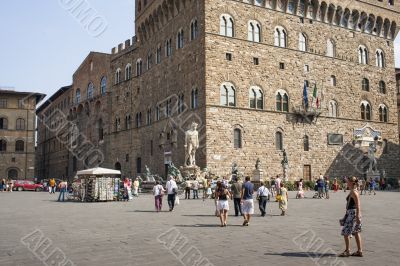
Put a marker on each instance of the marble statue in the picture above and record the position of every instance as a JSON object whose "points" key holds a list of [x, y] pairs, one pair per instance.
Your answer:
{"points": [[235, 170], [285, 159], [258, 164], [371, 156], [191, 145]]}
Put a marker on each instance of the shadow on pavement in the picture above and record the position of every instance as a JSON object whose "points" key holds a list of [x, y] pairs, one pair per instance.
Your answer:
{"points": [[206, 225], [302, 254]]}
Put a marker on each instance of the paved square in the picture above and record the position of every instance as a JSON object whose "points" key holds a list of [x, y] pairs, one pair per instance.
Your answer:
{"points": [[130, 233]]}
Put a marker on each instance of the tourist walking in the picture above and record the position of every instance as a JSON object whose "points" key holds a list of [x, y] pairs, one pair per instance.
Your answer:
{"points": [[205, 187], [222, 196], [335, 185], [2, 185], [236, 189], [247, 201], [327, 184], [351, 222], [283, 199], [158, 192], [172, 190], [209, 190], [136, 187], [52, 186], [187, 189], [300, 192], [11, 185], [278, 181], [63, 188], [195, 188], [273, 188], [361, 185], [321, 187], [262, 196], [372, 184]]}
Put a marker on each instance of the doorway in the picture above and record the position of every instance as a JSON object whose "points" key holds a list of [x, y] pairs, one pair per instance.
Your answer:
{"points": [[13, 174], [307, 172]]}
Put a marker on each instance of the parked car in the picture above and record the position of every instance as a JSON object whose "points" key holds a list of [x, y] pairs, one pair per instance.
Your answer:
{"points": [[21, 185]]}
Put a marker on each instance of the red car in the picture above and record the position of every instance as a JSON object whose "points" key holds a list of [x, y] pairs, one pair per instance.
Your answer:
{"points": [[22, 185]]}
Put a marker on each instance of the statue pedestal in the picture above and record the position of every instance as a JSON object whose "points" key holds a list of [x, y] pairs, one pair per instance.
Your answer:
{"points": [[373, 174], [285, 172], [188, 171], [258, 175]]}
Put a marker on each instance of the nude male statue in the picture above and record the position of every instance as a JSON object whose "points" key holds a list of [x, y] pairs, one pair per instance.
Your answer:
{"points": [[191, 145]]}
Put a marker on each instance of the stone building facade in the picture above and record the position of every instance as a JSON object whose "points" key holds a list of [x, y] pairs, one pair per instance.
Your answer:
{"points": [[17, 133], [239, 68]]}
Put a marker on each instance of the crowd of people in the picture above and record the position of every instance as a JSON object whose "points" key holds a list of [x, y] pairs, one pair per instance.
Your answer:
{"points": [[6, 185]]}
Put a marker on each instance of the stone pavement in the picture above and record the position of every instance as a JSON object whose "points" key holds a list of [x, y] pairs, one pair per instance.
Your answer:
{"points": [[130, 233]]}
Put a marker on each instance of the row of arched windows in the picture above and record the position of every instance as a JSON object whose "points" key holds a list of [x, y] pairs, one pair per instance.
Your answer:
{"points": [[281, 40], [19, 123], [166, 109], [365, 85], [19, 145], [90, 91], [366, 112]]}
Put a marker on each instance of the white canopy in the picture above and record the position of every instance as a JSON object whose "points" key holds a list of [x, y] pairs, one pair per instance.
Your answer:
{"points": [[99, 171]]}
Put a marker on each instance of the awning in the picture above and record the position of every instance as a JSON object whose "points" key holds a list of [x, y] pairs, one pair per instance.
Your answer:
{"points": [[99, 171]]}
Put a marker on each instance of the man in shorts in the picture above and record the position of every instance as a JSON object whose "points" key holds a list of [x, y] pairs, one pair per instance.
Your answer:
{"points": [[247, 200]]}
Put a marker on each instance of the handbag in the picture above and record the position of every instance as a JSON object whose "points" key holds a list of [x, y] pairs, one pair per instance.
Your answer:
{"points": [[279, 197], [176, 200]]}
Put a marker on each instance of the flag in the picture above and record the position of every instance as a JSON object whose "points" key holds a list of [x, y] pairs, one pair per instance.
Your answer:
{"points": [[315, 96], [305, 96]]}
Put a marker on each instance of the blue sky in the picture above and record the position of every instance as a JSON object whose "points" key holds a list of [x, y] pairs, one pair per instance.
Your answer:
{"points": [[42, 43]]}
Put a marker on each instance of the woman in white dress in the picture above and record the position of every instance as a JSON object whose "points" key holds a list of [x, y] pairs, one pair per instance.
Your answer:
{"points": [[222, 196]]}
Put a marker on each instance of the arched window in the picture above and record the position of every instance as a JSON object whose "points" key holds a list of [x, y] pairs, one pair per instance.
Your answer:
{"points": [[226, 25], [20, 124], [280, 36], [279, 141], [330, 48], [103, 85], [158, 54], [128, 72], [138, 119], [333, 80], [227, 95], [19, 146], [282, 101], [148, 117], [3, 145], [383, 113], [181, 103], [168, 47], [90, 89], [194, 29], [118, 76], [380, 58], [382, 87], [127, 121], [100, 130], [149, 60], [3, 123], [254, 31], [237, 138], [306, 143], [78, 96], [362, 55], [365, 84], [194, 99], [302, 42], [333, 109], [139, 65], [117, 124], [256, 98], [365, 110], [180, 39]]}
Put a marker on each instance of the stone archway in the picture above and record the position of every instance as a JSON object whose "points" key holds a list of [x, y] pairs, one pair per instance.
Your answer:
{"points": [[117, 166], [12, 174]]}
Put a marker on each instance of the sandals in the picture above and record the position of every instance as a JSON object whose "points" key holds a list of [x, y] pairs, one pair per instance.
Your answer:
{"points": [[357, 254], [345, 253]]}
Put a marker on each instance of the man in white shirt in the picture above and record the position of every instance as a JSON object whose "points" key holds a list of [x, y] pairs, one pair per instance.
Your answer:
{"points": [[262, 196], [172, 190], [195, 187]]}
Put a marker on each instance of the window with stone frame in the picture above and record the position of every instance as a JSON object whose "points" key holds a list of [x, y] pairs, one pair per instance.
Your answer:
{"points": [[78, 96], [181, 103], [139, 119], [89, 93], [237, 138], [333, 108], [158, 112], [194, 29], [149, 60], [365, 109], [103, 85], [330, 48], [117, 76], [380, 58], [254, 31], [279, 141], [382, 87], [280, 37], [226, 25], [180, 39], [139, 67], [158, 54], [362, 55], [19, 146], [3, 103], [127, 121], [168, 47], [20, 124], [333, 80], [306, 143], [383, 113], [227, 95], [302, 42], [149, 118], [365, 84], [256, 98], [128, 72], [3, 123], [194, 99], [282, 101], [3, 145]]}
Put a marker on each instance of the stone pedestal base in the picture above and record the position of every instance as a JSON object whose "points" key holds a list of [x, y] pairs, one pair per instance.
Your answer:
{"points": [[373, 174], [189, 171], [258, 175]]}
